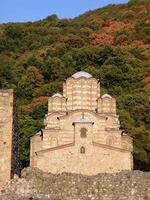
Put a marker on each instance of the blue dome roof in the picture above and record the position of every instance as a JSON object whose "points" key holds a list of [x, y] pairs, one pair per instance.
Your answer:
{"points": [[81, 74]]}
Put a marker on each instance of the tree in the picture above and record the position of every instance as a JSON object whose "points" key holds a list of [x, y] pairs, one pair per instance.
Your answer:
{"points": [[28, 127]]}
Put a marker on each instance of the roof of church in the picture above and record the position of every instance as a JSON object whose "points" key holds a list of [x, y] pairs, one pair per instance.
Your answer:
{"points": [[106, 96], [81, 74], [83, 119], [57, 95]]}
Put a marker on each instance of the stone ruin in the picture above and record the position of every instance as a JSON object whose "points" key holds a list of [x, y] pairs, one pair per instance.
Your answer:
{"points": [[35, 184], [9, 136]]}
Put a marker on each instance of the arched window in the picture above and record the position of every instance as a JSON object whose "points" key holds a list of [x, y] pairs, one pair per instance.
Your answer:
{"points": [[110, 140], [53, 141], [82, 150], [83, 132]]}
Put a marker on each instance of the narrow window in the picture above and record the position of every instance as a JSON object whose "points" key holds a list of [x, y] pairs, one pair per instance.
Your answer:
{"points": [[82, 150], [83, 132], [110, 141]]}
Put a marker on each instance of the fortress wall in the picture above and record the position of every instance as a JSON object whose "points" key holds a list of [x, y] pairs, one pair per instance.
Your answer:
{"points": [[8, 136]]}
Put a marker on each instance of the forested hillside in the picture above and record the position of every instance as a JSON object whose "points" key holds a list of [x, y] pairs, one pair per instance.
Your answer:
{"points": [[111, 43]]}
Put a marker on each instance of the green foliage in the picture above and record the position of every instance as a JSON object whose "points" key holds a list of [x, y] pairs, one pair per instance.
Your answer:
{"points": [[38, 112], [35, 58], [28, 127], [143, 30], [133, 2]]}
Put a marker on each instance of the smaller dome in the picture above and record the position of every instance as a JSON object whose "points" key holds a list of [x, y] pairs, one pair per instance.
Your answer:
{"points": [[106, 96], [57, 95], [81, 74]]}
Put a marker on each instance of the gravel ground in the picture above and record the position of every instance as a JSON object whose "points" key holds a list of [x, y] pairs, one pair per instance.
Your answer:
{"points": [[37, 185]]}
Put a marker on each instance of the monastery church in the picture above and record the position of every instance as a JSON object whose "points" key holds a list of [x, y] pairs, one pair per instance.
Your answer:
{"points": [[82, 132]]}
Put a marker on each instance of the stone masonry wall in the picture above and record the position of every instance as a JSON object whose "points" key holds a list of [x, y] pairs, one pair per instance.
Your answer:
{"points": [[6, 126], [9, 136], [15, 161], [35, 184]]}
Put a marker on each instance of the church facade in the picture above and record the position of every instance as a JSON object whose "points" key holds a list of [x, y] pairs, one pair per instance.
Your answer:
{"points": [[82, 132]]}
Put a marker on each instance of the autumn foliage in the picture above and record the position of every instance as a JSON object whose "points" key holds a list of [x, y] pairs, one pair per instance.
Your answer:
{"points": [[111, 43]]}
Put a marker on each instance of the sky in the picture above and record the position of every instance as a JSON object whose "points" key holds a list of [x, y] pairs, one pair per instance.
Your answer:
{"points": [[33, 10]]}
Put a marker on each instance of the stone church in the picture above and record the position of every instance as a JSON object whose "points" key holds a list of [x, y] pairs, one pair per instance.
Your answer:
{"points": [[82, 132]]}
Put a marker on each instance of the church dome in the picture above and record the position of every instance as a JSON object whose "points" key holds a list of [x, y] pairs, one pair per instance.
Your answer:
{"points": [[106, 96], [81, 74], [57, 95]]}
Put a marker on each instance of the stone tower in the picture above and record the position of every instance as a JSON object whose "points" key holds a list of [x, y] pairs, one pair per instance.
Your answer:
{"points": [[9, 163], [82, 132]]}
